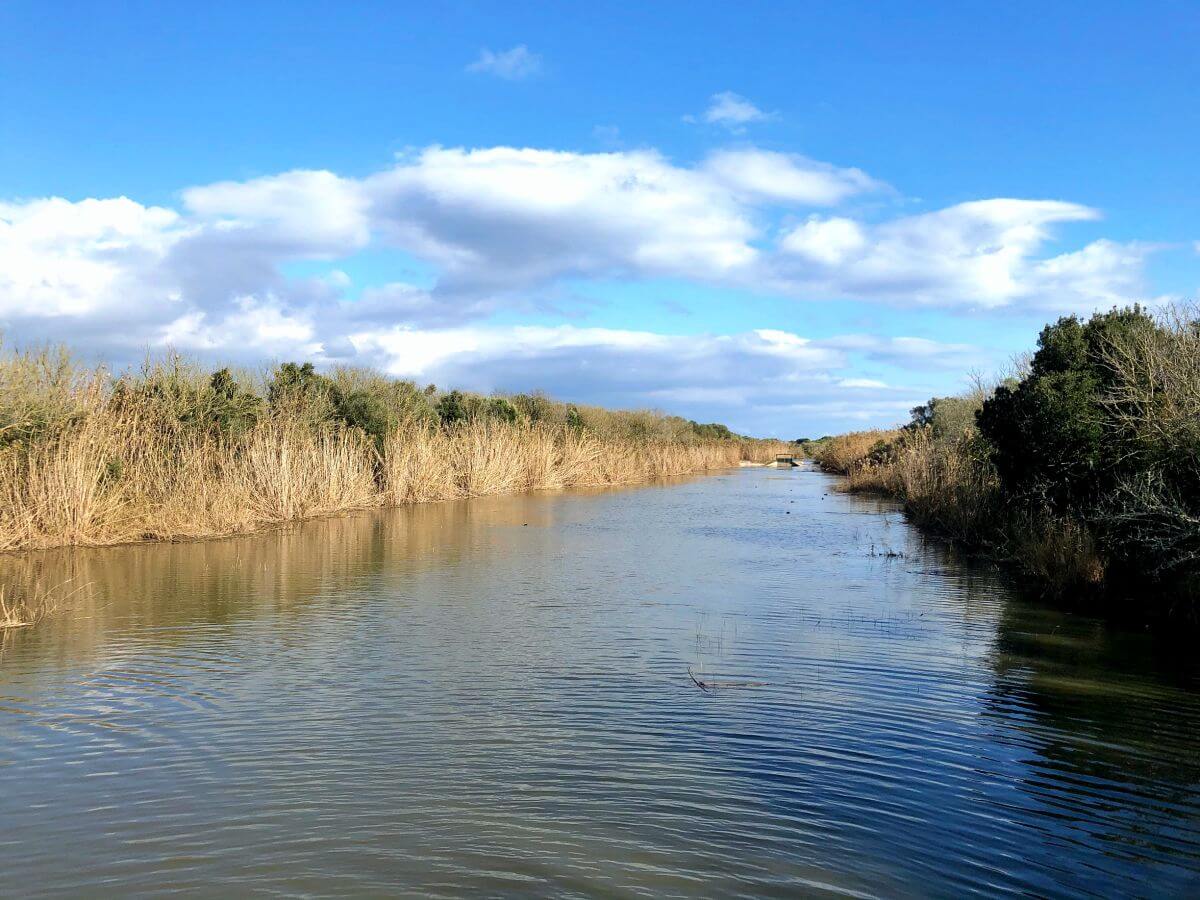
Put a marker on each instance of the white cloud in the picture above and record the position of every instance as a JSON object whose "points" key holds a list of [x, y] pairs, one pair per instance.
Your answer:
{"points": [[507, 227], [59, 258], [755, 175], [302, 213], [512, 65], [826, 242], [980, 254], [863, 383], [743, 379], [507, 217], [500, 225], [732, 111]]}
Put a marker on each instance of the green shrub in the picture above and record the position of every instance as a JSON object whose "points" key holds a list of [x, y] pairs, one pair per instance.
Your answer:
{"points": [[301, 393], [712, 431], [574, 419], [234, 409], [499, 409], [947, 418], [451, 408], [534, 407], [1048, 433]]}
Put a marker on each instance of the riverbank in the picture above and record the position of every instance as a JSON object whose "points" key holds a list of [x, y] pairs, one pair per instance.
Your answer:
{"points": [[174, 453], [1081, 470]]}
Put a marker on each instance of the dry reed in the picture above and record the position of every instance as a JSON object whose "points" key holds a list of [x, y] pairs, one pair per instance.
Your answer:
{"points": [[87, 461]]}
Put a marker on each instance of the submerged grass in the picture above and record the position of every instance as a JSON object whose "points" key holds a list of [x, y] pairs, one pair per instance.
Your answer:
{"points": [[170, 453]]}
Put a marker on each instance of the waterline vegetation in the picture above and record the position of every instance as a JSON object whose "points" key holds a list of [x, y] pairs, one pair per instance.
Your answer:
{"points": [[173, 452], [1083, 469]]}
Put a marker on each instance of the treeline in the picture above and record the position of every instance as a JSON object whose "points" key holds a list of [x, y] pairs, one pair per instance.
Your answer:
{"points": [[174, 451], [1083, 469]]}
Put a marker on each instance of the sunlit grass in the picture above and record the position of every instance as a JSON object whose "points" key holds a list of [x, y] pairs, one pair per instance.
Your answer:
{"points": [[168, 453]]}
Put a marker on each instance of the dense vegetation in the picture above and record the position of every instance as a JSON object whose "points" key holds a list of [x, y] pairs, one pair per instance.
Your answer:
{"points": [[172, 451], [1084, 469]]}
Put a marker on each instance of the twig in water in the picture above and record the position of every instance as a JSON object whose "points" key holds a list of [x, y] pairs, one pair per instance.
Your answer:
{"points": [[707, 686]]}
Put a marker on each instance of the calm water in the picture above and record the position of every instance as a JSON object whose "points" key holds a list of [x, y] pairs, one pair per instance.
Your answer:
{"points": [[493, 698]]}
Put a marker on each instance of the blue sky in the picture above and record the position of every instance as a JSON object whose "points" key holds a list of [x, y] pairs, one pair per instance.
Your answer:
{"points": [[794, 218]]}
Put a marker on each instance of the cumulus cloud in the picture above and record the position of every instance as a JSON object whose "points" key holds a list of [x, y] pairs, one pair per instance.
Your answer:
{"points": [[509, 217], [731, 111], [981, 254], [499, 225], [743, 379], [785, 178], [304, 214], [502, 227], [512, 65]]}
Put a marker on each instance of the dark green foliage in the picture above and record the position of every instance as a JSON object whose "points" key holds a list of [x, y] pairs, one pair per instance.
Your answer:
{"points": [[234, 408], [713, 431], [574, 419], [361, 409], [1065, 446], [947, 418], [352, 397], [882, 453], [451, 408], [533, 407], [294, 383], [499, 409], [1048, 433], [183, 396]]}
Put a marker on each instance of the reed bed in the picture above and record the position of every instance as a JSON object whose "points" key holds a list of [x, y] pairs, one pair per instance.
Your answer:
{"points": [[1081, 467], [88, 460]]}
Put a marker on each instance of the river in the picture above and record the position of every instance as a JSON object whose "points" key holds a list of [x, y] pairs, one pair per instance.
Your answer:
{"points": [[493, 697]]}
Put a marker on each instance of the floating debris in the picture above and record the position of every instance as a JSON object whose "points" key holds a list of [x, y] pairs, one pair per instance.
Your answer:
{"points": [[708, 686]]}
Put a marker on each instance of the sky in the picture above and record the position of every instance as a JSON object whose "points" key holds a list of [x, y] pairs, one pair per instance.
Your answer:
{"points": [[793, 218]]}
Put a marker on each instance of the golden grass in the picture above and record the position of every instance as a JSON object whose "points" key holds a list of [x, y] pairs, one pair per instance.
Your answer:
{"points": [[115, 478], [849, 453], [951, 487], [89, 460]]}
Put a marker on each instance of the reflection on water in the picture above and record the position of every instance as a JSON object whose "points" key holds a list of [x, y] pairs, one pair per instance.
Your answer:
{"points": [[492, 697]]}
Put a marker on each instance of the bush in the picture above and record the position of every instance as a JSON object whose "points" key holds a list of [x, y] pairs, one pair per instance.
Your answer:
{"points": [[948, 418], [1049, 436], [574, 419], [1085, 472], [301, 393], [451, 408], [534, 407], [234, 409]]}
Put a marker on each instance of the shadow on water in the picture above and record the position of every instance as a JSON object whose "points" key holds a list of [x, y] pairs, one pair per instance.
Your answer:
{"points": [[493, 697]]}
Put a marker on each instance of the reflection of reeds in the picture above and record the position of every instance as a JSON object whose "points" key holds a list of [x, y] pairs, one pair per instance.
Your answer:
{"points": [[24, 612]]}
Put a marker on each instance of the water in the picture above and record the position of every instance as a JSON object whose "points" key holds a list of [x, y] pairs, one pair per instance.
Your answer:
{"points": [[493, 697]]}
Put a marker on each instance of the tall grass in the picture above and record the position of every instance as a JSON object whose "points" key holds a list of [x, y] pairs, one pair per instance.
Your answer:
{"points": [[951, 487], [169, 453]]}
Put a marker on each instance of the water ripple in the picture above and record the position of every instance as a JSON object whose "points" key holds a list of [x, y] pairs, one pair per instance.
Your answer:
{"points": [[494, 697]]}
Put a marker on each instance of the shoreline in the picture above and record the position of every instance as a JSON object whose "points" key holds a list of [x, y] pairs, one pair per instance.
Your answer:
{"points": [[176, 452], [347, 512]]}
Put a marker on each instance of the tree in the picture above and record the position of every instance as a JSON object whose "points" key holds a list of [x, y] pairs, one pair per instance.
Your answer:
{"points": [[1048, 434]]}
